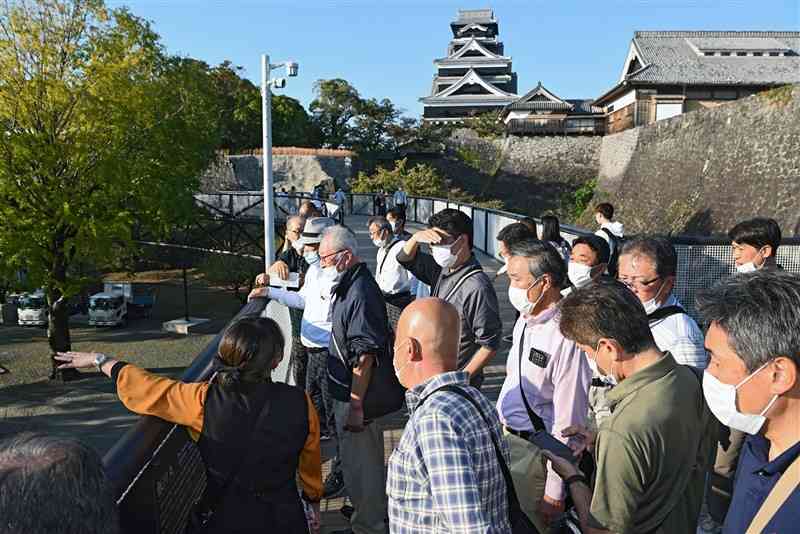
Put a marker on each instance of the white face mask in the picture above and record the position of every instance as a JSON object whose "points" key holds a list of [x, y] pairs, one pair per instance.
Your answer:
{"points": [[380, 243], [329, 278], [721, 399], [311, 257], [579, 274], [443, 256], [609, 378], [394, 226], [750, 266], [298, 246], [519, 298], [398, 370], [652, 305]]}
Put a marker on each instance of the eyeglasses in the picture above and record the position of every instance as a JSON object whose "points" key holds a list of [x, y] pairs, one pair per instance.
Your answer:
{"points": [[323, 259], [636, 283]]}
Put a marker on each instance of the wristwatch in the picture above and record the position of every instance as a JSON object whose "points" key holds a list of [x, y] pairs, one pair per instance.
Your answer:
{"points": [[99, 360]]}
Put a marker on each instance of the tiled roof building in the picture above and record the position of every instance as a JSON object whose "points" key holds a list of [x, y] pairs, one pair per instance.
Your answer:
{"points": [[475, 76], [544, 113], [667, 73]]}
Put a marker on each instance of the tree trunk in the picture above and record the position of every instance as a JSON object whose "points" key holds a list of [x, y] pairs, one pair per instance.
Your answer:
{"points": [[58, 321]]}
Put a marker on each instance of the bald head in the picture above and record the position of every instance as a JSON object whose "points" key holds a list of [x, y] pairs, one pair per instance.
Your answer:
{"points": [[427, 340]]}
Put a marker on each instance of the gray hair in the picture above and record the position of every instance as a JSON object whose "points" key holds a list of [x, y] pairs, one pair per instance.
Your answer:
{"points": [[542, 259], [381, 221], [47, 481], [760, 312], [657, 249], [342, 238], [296, 218]]}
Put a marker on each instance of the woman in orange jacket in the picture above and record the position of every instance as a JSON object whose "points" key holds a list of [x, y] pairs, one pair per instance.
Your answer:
{"points": [[222, 416]]}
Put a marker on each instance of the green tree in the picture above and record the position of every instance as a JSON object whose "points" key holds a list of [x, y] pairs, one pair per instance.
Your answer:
{"points": [[373, 124], [332, 111], [101, 130], [291, 124], [419, 180], [232, 273], [239, 108], [489, 124]]}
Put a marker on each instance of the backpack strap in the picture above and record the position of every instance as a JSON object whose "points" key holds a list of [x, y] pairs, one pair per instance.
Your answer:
{"points": [[789, 481], [457, 285], [536, 421], [388, 250], [663, 313]]}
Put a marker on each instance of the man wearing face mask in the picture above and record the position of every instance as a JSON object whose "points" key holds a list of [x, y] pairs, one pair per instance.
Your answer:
{"points": [[588, 261], [396, 283], [653, 452], [648, 265], [397, 220], [315, 334], [456, 276], [755, 244], [547, 378], [752, 384], [360, 342]]}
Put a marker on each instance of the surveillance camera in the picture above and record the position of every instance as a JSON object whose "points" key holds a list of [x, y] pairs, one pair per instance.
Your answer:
{"points": [[279, 83], [291, 68]]}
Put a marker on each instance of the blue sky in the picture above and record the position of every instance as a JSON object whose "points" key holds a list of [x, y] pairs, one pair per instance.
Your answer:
{"points": [[386, 48]]}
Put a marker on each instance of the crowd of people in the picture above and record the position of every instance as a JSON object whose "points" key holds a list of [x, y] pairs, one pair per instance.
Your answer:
{"points": [[616, 412]]}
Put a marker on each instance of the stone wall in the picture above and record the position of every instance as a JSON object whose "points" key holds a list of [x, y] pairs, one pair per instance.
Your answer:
{"points": [[703, 171], [303, 171]]}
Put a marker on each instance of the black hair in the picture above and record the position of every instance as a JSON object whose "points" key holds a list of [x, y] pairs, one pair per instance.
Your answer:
{"points": [[551, 231], [757, 233], [530, 222], [605, 209], [597, 244], [606, 309], [397, 213], [542, 258], [454, 222], [514, 232], [247, 351]]}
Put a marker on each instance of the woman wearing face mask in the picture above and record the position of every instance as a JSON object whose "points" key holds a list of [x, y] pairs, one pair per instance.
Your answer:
{"points": [[648, 265], [755, 245]]}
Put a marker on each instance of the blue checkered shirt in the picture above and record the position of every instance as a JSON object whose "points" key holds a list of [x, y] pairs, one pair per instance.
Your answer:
{"points": [[444, 475]]}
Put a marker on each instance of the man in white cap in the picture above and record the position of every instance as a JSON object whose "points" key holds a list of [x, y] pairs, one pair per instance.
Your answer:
{"points": [[315, 332]]}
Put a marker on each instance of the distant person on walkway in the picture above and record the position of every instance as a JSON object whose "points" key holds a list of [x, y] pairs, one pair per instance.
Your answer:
{"points": [[396, 283], [648, 266], [54, 485], [379, 204], [755, 244], [547, 378], [308, 210], [654, 450], [261, 433], [400, 198], [444, 475], [455, 275], [397, 219], [551, 233], [610, 230], [341, 199], [360, 342], [315, 335], [753, 385]]}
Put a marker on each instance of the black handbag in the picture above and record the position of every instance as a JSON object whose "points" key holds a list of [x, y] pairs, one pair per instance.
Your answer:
{"points": [[520, 522], [204, 508]]}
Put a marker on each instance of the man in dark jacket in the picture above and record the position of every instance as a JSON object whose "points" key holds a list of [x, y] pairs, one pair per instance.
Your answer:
{"points": [[360, 340]]}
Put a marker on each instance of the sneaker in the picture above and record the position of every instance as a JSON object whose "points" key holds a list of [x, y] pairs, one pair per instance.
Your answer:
{"points": [[333, 486]]}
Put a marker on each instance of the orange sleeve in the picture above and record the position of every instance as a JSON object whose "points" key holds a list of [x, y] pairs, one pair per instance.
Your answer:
{"points": [[310, 458], [148, 394]]}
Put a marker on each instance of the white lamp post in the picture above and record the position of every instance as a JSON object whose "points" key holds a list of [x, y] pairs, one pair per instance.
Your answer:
{"points": [[266, 143]]}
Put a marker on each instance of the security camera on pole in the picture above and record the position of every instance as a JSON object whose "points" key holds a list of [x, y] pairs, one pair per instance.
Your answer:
{"points": [[266, 121]]}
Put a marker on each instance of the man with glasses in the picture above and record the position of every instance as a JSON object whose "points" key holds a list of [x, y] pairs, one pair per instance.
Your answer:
{"points": [[648, 266], [396, 283], [291, 259], [455, 275], [360, 341]]}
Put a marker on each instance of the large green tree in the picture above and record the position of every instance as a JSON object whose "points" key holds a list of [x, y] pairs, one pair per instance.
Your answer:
{"points": [[336, 104], [101, 130]]}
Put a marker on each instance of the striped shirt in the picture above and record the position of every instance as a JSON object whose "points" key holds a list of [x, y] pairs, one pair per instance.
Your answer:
{"points": [[679, 335], [444, 476]]}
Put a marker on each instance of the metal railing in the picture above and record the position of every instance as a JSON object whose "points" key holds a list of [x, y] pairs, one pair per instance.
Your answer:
{"points": [[701, 260]]}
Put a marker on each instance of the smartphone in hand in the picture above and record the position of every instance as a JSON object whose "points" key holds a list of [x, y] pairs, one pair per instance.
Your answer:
{"points": [[546, 441]]}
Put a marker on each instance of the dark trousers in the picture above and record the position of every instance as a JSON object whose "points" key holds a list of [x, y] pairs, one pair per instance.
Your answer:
{"points": [[317, 388], [720, 490]]}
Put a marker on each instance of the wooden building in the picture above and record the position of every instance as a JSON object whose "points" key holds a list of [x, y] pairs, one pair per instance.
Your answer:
{"points": [[475, 77], [541, 112], [667, 73]]}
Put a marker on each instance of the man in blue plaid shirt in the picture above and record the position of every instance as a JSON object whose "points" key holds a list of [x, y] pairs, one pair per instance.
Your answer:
{"points": [[444, 475]]}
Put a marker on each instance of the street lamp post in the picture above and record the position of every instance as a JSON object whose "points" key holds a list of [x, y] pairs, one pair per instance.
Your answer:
{"points": [[266, 143]]}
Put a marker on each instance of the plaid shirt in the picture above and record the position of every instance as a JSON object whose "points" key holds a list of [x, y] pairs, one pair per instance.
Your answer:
{"points": [[444, 475]]}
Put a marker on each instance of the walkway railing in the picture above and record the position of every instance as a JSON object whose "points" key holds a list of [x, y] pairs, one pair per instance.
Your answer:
{"points": [[701, 260]]}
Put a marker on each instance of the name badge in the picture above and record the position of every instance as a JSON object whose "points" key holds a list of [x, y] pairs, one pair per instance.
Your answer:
{"points": [[538, 358]]}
